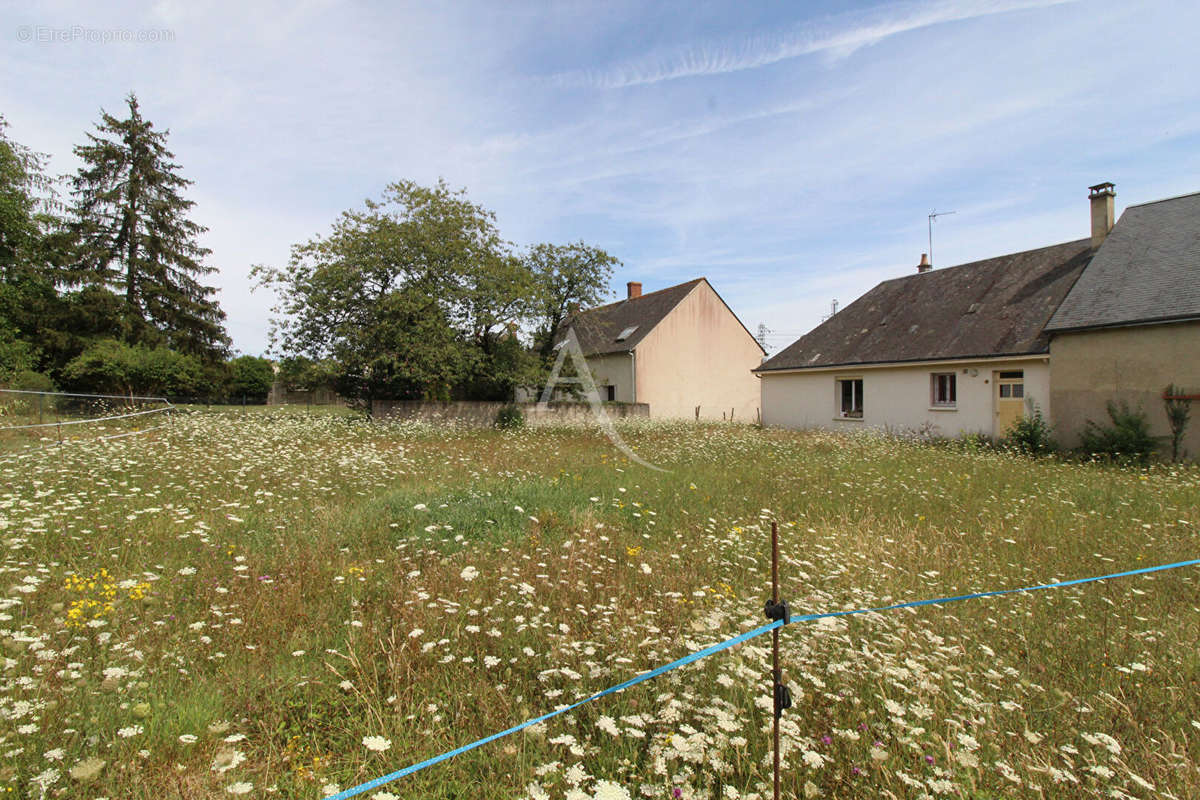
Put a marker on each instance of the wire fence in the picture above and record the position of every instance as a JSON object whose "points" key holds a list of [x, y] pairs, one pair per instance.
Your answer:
{"points": [[725, 645], [40, 419]]}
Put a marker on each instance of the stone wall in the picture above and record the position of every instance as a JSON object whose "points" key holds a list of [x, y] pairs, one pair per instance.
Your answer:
{"points": [[477, 413]]}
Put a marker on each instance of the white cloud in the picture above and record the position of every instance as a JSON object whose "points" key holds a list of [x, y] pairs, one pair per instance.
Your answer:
{"points": [[752, 52]]}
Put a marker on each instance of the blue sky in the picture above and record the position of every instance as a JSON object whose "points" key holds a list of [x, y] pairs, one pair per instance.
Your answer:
{"points": [[790, 152]]}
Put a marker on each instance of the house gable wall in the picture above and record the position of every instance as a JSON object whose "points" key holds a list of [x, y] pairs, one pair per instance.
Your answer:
{"points": [[699, 355]]}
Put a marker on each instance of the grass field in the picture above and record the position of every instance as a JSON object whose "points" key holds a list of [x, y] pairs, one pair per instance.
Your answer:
{"points": [[279, 603]]}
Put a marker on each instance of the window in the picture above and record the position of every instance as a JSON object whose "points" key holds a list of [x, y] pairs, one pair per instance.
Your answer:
{"points": [[625, 334], [612, 394], [1011, 384], [944, 389], [850, 397]]}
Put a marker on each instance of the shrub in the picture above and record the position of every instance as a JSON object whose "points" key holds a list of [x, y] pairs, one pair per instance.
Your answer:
{"points": [[109, 366], [509, 417], [250, 378], [1031, 434], [29, 380], [1178, 413], [1126, 440]]}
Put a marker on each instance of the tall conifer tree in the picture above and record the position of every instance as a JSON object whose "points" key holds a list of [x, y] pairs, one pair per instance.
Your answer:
{"points": [[134, 237]]}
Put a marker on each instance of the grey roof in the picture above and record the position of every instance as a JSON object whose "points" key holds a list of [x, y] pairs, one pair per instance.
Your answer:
{"points": [[598, 328], [1147, 270], [993, 307]]}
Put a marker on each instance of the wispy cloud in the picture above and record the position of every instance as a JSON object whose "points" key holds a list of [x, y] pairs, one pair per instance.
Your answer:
{"points": [[840, 39]]}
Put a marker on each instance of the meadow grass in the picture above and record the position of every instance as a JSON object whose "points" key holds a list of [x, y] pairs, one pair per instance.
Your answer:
{"points": [[287, 601]]}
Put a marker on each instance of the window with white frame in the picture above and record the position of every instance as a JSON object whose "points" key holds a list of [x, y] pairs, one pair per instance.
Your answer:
{"points": [[943, 389], [850, 397]]}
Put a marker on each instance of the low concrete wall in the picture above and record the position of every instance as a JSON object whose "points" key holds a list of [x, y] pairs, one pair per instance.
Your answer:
{"points": [[303, 397], [478, 413]]}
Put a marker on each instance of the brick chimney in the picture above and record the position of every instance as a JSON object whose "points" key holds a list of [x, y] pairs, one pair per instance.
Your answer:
{"points": [[634, 288], [924, 266], [1103, 198]]}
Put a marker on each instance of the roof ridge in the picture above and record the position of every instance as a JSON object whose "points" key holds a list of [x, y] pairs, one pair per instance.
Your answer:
{"points": [[640, 296], [1161, 200], [989, 258]]}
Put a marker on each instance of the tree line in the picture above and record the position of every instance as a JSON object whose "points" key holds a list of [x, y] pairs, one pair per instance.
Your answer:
{"points": [[413, 296]]}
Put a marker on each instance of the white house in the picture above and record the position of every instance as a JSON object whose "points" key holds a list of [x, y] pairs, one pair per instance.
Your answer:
{"points": [[944, 352]]}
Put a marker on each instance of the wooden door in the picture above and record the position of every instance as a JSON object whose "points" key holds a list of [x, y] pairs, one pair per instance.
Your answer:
{"points": [[1008, 398]]}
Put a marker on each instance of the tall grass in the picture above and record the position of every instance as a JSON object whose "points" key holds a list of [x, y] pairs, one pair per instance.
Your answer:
{"points": [[281, 603]]}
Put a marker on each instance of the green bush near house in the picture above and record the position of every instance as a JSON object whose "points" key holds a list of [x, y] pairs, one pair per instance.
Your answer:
{"points": [[1031, 434], [1126, 440]]}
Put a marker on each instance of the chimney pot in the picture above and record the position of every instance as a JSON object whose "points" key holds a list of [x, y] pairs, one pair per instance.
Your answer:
{"points": [[1103, 198], [924, 266], [634, 288]]}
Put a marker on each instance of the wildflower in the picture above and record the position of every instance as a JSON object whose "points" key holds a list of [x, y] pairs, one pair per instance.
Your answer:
{"points": [[87, 770], [187, 738], [608, 725], [241, 787], [376, 744], [607, 790], [1140, 781], [227, 759], [469, 573], [131, 731]]}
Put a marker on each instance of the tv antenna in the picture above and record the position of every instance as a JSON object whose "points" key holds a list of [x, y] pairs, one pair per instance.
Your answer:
{"points": [[932, 216]]}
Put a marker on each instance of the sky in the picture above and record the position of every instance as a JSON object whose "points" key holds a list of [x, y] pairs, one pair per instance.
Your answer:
{"points": [[789, 152]]}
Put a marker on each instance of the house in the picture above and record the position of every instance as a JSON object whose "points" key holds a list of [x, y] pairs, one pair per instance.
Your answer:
{"points": [[947, 351], [1066, 329], [1131, 324], [680, 349]]}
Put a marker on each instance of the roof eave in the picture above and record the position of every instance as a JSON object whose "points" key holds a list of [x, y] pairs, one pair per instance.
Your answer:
{"points": [[1124, 324], [907, 362]]}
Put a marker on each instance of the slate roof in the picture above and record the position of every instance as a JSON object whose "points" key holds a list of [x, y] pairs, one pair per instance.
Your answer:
{"points": [[598, 328], [1147, 270], [995, 307]]}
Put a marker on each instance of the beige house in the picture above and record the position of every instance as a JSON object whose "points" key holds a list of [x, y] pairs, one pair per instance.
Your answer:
{"points": [[1131, 324], [681, 350]]}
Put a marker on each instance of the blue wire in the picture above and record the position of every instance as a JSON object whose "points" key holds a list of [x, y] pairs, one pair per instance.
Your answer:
{"points": [[716, 648]]}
